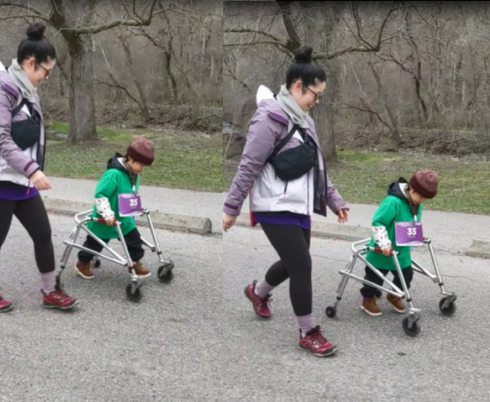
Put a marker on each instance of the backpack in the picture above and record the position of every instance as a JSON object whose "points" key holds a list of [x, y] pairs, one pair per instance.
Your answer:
{"points": [[27, 132]]}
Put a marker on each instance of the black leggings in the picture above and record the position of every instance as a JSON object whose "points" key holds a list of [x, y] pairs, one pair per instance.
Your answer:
{"points": [[33, 216], [133, 242], [292, 243]]}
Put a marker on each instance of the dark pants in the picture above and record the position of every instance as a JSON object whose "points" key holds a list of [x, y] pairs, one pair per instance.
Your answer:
{"points": [[133, 242], [32, 215], [369, 291], [292, 244]]}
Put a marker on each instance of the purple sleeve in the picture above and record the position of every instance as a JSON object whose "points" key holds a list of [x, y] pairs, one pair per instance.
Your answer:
{"points": [[9, 150], [334, 200], [261, 138]]}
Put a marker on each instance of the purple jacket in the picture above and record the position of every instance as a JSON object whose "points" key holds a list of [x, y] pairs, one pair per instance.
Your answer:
{"points": [[267, 127], [16, 165]]}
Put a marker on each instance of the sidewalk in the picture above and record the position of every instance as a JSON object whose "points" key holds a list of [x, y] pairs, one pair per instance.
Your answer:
{"points": [[451, 232], [158, 199]]}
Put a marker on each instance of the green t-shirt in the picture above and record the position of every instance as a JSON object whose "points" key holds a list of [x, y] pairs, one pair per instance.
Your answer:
{"points": [[391, 210]]}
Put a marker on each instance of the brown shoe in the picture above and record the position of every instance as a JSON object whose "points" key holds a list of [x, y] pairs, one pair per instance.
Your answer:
{"points": [[84, 270], [139, 270], [369, 306], [396, 302]]}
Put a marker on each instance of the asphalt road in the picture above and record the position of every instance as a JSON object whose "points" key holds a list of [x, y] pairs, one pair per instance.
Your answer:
{"points": [[166, 348], [448, 361]]}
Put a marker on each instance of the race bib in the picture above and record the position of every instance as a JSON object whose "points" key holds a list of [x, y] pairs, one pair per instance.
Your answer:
{"points": [[409, 234], [130, 204]]}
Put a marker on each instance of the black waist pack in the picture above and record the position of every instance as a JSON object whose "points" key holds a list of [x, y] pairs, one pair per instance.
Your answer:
{"points": [[295, 162], [27, 132]]}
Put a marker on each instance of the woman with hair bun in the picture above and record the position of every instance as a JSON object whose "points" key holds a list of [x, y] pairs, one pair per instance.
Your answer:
{"points": [[283, 169], [22, 156]]}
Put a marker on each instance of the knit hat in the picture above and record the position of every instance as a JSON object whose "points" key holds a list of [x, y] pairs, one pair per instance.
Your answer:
{"points": [[142, 150], [424, 182]]}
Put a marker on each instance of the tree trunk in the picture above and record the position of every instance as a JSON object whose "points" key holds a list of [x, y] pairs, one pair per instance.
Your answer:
{"points": [[82, 107]]}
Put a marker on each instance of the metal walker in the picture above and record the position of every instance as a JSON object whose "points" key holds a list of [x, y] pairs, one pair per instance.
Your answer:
{"points": [[411, 325], [133, 291]]}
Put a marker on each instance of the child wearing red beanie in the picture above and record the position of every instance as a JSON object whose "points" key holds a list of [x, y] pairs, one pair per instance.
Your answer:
{"points": [[403, 204]]}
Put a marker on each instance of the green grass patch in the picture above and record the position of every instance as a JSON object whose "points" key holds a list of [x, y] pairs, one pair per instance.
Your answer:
{"points": [[363, 177], [182, 161]]}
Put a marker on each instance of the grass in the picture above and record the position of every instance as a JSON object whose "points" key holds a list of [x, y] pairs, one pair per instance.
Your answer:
{"points": [[183, 161], [363, 177]]}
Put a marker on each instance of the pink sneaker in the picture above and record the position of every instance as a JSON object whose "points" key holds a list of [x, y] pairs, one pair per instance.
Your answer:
{"points": [[5, 305], [315, 343], [58, 299], [261, 306]]}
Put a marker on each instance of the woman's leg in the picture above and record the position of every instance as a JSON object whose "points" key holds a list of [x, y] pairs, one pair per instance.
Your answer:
{"points": [[33, 216]]}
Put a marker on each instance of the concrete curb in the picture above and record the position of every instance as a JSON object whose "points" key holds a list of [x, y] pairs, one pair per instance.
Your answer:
{"points": [[479, 249], [171, 222], [323, 230]]}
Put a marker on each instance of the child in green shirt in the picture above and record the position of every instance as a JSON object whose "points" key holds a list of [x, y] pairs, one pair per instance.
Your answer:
{"points": [[403, 204], [121, 177]]}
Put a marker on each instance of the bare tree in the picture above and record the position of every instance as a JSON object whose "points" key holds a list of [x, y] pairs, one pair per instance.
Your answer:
{"points": [[75, 21]]}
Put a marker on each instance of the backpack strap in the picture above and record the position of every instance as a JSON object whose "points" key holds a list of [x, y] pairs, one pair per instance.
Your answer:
{"points": [[283, 142], [19, 107]]}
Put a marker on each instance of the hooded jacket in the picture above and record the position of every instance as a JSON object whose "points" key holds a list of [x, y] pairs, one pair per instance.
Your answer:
{"points": [[394, 208], [305, 195], [116, 180], [17, 166]]}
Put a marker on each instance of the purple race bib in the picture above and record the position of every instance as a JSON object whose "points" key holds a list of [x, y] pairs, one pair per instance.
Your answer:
{"points": [[129, 204], [409, 234]]}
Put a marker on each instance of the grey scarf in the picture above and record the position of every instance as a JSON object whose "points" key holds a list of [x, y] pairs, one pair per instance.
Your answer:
{"points": [[291, 107], [20, 78]]}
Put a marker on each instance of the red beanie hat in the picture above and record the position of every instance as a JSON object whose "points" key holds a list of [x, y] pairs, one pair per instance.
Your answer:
{"points": [[425, 183], [142, 150]]}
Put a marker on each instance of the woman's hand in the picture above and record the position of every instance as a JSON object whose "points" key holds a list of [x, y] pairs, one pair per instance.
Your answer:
{"points": [[40, 182], [228, 221], [343, 215]]}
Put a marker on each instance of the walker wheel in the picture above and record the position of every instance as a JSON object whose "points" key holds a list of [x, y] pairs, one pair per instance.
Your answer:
{"points": [[134, 297], [97, 263], [330, 312], [169, 275], [449, 309], [414, 330]]}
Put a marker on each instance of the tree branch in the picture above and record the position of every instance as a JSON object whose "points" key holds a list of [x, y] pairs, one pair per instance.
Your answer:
{"points": [[34, 16], [369, 111], [294, 42], [24, 7], [118, 87], [117, 23], [245, 30]]}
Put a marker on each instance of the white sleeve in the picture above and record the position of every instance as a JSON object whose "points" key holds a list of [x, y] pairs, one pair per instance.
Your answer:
{"points": [[380, 236], [104, 208]]}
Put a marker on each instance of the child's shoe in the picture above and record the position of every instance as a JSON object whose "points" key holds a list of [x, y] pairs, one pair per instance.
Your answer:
{"points": [[315, 343], [396, 302], [58, 299], [370, 306], [84, 269], [139, 270], [5, 305], [261, 306]]}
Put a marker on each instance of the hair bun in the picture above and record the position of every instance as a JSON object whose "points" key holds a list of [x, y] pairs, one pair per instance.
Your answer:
{"points": [[303, 55], [35, 31]]}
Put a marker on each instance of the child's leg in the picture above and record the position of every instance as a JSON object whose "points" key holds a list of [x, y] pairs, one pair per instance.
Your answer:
{"points": [[396, 301], [83, 265], [407, 275], [91, 244], [370, 291], [136, 251]]}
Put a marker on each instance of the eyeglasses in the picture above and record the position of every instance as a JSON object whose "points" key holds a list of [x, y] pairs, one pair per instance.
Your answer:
{"points": [[318, 96], [45, 69]]}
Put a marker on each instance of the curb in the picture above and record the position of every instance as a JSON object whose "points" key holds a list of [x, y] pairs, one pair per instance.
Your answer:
{"points": [[323, 230], [170, 222]]}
